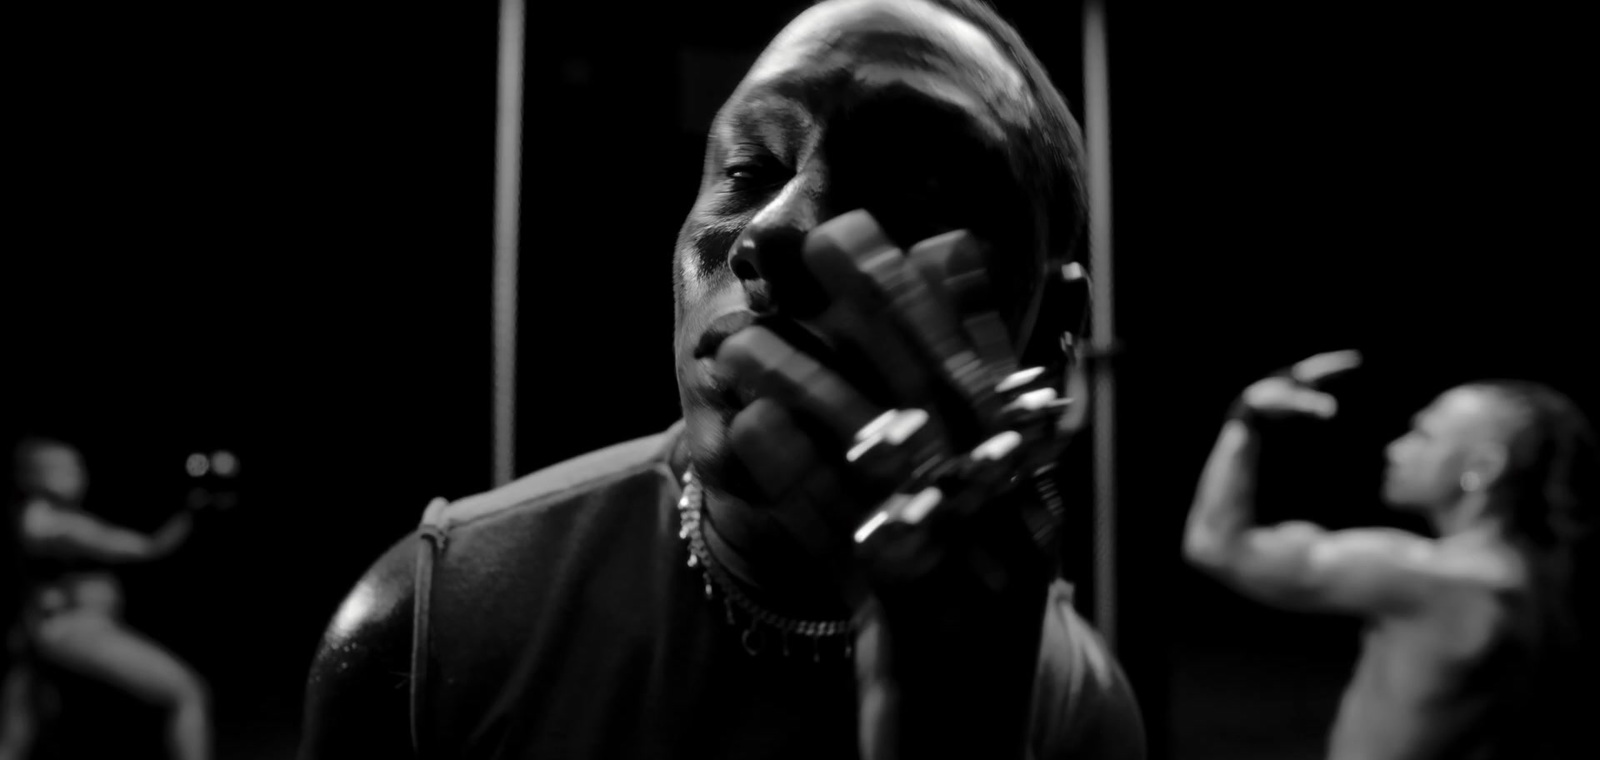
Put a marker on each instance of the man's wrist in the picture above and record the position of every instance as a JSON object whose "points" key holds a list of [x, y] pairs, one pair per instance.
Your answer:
{"points": [[1243, 412]]}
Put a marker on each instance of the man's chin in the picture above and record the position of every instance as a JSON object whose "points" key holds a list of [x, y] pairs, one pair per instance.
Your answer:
{"points": [[1395, 499]]}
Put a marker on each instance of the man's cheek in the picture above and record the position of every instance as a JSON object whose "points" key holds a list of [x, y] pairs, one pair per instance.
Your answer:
{"points": [[709, 245], [692, 285]]}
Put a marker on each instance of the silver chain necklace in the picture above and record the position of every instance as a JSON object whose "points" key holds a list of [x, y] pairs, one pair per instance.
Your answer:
{"points": [[764, 631]]}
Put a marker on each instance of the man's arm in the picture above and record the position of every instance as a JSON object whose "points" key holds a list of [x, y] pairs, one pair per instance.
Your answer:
{"points": [[47, 530], [358, 694], [1297, 565]]}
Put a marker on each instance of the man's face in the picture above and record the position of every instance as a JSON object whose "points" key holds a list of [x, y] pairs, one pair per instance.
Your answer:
{"points": [[895, 106], [1426, 464]]}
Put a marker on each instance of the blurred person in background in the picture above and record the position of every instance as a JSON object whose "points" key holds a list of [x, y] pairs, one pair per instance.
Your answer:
{"points": [[70, 616], [1479, 642]]}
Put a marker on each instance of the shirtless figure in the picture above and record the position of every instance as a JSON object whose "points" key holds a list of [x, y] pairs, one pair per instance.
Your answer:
{"points": [[1470, 635], [71, 615]]}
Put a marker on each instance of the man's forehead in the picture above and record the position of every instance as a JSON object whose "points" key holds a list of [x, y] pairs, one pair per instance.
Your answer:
{"points": [[1466, 401], [1464, 408], [918, 28]]}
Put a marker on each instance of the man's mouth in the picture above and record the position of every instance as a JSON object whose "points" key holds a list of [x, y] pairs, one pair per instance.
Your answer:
{"points": [[719, 330]]}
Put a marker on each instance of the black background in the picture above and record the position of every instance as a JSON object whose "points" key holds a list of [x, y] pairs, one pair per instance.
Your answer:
{"points": [[270, 228]]}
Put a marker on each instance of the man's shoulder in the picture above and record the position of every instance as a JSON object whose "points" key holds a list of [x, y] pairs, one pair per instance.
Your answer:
{"points": [[381, 600], [357, 692], [377, 611], [564, 481], [1492, 567], [1452, 564], [40, 515], [361, 673]]}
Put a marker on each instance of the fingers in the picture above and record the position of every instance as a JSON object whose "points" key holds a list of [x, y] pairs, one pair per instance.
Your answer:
{"points": [[862, 341], [1298, 393], [898, 376], [1278, 396], [772, 447], [855, 261], [1315, 369], [954, 266], [882, 448], [806, 494], [759, 358]]}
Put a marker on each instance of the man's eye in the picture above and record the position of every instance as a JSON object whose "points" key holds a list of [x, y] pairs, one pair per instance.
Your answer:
{"points": [[743, 172]]}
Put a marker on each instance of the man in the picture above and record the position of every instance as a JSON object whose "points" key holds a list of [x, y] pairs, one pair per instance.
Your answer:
{"points": [[72, 614], [600, 608], [1475, 640]]}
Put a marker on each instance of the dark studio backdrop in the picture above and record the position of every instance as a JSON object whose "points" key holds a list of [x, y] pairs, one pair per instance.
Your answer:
{"points": [[269, 230]]}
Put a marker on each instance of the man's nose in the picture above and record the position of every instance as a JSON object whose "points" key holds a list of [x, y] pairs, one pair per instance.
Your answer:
{"points": [[768, 256]]}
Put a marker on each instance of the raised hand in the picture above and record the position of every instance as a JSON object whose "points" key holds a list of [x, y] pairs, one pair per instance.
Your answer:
{"points": [[867, 408], [1296, 392], [893, 429], [172, 534]]}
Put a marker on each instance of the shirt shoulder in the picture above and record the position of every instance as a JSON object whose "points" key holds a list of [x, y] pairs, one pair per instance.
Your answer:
{"points": [[569, 478], [480, 558], [1083, 705]]}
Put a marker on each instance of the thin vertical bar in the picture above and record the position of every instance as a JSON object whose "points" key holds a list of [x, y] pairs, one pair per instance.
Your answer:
{"points": [[1097, 107], [507, 212]]}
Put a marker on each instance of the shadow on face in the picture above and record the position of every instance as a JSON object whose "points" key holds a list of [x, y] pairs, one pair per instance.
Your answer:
{"points": [[898, 107]]}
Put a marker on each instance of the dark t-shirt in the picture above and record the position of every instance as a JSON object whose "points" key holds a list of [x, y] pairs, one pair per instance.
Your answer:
{"points": [[558, 618]]}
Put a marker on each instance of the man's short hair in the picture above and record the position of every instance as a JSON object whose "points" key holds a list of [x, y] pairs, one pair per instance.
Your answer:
{"points": [[1048, 150], [1051, 144], [1045, 152]]}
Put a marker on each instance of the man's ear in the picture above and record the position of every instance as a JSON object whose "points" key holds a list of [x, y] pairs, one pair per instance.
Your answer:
{"points": [[1488, 461]]}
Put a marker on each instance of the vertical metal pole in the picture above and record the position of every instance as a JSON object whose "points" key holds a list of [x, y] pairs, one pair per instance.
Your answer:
{"points": [[507, 210], [1098, 135]]}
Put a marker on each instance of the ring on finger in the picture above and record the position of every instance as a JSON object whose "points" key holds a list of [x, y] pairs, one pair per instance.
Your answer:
{"points": [[899, 445], [1019, 380], [987, 465], [893, 427]]}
